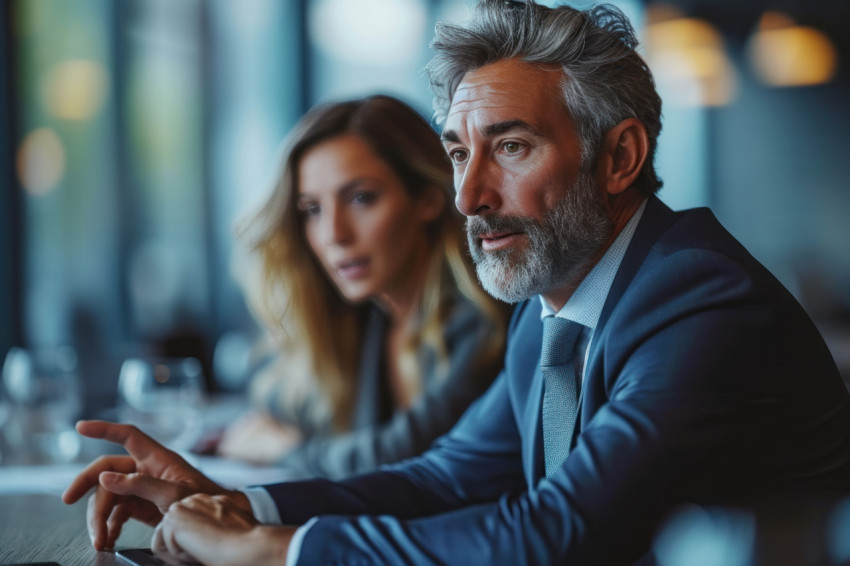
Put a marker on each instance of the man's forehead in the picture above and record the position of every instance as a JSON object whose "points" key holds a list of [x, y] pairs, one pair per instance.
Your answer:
{"points": [[506, 89], [495, 94], [495, 98]]}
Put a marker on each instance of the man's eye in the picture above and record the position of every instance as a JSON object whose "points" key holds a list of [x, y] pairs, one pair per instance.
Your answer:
{"points": [[511, 147], [457, 155]]}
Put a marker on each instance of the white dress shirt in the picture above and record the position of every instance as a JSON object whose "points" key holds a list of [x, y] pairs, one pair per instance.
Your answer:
{"points": [[585, 304]]}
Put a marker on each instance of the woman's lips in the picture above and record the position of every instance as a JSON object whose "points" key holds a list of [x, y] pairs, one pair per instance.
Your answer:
{"points": [[353, 269], [498, 240]]}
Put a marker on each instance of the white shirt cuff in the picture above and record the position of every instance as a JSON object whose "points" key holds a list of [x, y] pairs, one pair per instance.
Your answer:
{"points": [[295, 543], [262, 505]]}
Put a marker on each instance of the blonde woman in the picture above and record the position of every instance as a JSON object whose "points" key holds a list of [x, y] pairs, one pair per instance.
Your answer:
{"points": [[367, 280]]}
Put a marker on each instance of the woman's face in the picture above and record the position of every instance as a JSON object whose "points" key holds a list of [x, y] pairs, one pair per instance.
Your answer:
{"points": [[361, 223]]}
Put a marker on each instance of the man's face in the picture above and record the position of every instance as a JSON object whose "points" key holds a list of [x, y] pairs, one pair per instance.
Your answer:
{"points": [[536, 219]]}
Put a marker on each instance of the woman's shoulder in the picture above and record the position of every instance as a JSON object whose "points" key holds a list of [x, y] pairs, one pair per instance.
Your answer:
{"points": [[467, 320], [462, 312]]}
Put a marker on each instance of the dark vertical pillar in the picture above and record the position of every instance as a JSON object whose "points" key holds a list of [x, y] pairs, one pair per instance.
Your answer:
{"points": [[123, 194], [214, 325], [11, 209], [304, 58]]}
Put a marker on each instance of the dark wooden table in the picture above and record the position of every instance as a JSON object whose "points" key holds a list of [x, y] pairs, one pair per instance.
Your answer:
{"points": [[40, 528], [35, 526]]}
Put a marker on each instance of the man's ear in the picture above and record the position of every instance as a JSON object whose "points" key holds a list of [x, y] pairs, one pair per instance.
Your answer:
{"points": [[624, 151], [431, 203]]}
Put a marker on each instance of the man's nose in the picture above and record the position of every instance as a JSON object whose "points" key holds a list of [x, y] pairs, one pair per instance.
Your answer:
{"points": [[477, 188]]}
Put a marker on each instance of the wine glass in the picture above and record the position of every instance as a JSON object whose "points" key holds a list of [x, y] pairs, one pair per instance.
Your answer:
{"points": [[163, 396], [44, 401]]}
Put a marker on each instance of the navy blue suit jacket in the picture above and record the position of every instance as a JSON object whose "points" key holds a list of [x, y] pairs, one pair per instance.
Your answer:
{"points": [[706, 382]]}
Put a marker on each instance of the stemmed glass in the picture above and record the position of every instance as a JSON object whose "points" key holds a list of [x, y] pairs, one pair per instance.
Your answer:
{"points": [[162, 396], [44, 400]]}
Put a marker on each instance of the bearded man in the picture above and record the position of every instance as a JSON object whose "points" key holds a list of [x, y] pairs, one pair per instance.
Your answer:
{"points": [[651, 360]]}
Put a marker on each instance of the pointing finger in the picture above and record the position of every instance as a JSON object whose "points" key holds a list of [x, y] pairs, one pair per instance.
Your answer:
{"points": [[137, 443]]}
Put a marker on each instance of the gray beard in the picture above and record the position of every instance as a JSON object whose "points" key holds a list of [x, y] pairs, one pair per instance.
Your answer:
{"points": [[560, 247]]}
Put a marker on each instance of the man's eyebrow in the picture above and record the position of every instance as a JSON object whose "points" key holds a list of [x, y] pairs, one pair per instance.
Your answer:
{"points": [[449, 136], [502, 127], [494, 130]]}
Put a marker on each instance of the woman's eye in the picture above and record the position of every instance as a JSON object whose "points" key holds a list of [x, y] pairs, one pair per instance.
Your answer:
{"points": [[457, 155], [309, 209], [363, 198]]}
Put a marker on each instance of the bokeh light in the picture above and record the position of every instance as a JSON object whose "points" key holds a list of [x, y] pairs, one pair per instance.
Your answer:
{"points": [[75, 89], [688, 58], [383, 32], [785, 54], [41, 161]]}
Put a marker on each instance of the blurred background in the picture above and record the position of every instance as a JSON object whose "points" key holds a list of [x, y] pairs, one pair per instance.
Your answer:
{"points": [[134, 134]]}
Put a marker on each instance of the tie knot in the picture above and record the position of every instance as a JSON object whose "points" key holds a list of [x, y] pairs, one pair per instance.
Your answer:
{"points": [[559, 340]]}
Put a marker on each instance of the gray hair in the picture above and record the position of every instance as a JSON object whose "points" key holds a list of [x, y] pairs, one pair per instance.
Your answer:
{"points": [[605, 80]]}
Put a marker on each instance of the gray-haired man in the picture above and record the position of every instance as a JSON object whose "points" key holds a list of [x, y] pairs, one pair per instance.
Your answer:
{"points": [[651, 362]]}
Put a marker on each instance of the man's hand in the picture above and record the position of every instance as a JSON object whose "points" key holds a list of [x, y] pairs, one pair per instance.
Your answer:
{"points": [[141, 485], [216, 531]]}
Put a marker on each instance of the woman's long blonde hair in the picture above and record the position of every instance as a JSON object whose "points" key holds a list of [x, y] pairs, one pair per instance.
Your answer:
{"points": [[297, 298]]}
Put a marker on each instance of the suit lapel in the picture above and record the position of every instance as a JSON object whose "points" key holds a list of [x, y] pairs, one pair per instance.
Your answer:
{"points": [[657, 218]]}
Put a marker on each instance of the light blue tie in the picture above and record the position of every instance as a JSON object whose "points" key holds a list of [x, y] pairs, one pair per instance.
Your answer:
{"points": [[560, 389]]}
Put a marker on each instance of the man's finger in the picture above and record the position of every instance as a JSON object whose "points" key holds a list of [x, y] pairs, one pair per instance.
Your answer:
{"points": [[120, 514], [100, 506], [165, 544], [88, 478], [136, 442], [161, 493], [200, 501], [159, 547], [187, 532]]}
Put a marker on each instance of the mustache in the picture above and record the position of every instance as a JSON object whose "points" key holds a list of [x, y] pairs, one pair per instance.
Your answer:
{"points": [[478, 225]]}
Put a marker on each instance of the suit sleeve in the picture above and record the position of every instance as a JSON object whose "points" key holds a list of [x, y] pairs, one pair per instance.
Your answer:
{"points": [[410, 433], [476, 462], [695, 388]]}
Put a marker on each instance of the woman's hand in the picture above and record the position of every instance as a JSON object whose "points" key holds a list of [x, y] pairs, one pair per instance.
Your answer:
{"points": [[216, 531], [141, 485], [258, 438]]}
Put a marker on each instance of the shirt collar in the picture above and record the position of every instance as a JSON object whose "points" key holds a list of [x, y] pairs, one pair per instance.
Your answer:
{"points": [[585, 304]]}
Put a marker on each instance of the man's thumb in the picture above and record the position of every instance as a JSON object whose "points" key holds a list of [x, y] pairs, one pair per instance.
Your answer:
{"points": [[161, 493]]}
